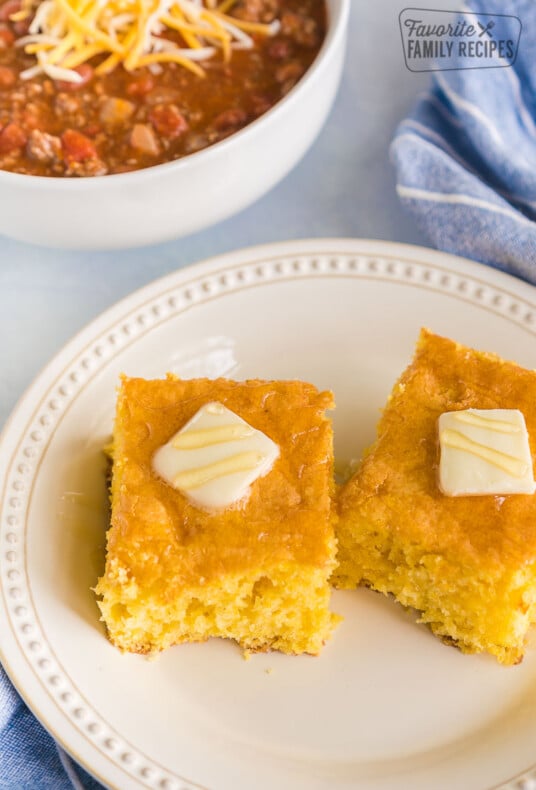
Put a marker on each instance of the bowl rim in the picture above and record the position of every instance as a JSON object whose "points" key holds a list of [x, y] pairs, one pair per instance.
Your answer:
{"points": [[337, 23]]}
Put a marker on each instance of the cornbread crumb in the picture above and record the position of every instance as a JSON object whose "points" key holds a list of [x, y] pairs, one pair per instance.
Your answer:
{"points": [[256, 572], [468, 564]]}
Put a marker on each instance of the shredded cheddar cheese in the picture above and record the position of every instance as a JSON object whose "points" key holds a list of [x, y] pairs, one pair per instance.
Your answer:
{"points": [[64, 34]]}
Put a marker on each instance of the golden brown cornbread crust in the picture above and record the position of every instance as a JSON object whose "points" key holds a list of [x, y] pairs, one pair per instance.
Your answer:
{"points": [[468, 563], [159, 545]]}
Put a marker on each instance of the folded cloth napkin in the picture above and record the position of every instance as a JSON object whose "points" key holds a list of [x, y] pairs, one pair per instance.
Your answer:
{"points": [[466, 157], [29, 757]]}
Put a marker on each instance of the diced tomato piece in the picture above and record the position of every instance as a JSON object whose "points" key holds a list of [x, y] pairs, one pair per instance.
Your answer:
{"points": [[77, 147], [85, 71], [8, 77], [168, 121], [6, 36], [12, 137], [7, 8], [141, 87]]}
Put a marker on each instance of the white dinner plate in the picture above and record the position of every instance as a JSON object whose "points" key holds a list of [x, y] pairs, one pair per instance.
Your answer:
{"points": [[386, 705]]}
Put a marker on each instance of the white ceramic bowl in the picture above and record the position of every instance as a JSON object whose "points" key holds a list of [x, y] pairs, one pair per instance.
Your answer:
{"points": [[174, 199]]}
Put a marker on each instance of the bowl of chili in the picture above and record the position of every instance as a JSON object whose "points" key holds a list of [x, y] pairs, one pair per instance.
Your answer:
{"points": [[212, 105]]}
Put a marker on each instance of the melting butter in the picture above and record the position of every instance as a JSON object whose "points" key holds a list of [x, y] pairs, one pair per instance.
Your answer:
{"points": [[215, 458], [241, 462], [484, 452], [508, 463], [215, 408], [472, 418], [193, 440]]}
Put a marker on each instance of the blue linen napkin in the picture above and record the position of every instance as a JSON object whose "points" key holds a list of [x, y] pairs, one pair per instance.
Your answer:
{"points": [[29, 757], [466, 157]]}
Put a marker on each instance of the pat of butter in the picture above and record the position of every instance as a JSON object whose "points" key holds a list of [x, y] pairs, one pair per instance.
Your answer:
{"points": [[214, 459], [484, 452]]}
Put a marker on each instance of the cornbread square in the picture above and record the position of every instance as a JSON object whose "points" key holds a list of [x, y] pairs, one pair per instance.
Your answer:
{"points": [[256, 572], [467, 563]]}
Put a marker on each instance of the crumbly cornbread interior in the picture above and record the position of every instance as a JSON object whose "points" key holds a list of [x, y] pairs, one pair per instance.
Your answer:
{"points": [[468, 564], [257, 572]]}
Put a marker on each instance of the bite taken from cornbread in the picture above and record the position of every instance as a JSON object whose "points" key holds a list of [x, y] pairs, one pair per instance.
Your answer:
{"points": [[441, 512], [222, 522]]}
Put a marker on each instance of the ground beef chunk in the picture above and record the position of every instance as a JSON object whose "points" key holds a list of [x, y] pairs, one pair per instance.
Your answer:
{"points": [[89, 167], [304, 31], [43, 147], [257, 10], [230, 119]]}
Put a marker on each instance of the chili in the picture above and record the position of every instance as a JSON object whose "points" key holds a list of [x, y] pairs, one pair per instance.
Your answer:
{"points": [[128, 120]]}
